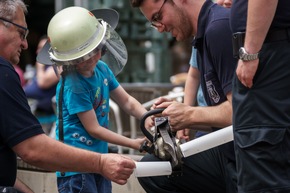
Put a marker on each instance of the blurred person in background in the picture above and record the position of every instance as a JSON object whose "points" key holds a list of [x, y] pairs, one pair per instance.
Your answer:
{"points": [[42, 87]]}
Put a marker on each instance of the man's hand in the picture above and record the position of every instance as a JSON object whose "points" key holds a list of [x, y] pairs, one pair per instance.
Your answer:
{"points": [[178, 118], [116, 167], [179, 115], [161, 103], [246, 72]]}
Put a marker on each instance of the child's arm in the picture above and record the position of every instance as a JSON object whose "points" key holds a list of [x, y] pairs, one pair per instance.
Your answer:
{"points": [[92, 126], [130, 105]]}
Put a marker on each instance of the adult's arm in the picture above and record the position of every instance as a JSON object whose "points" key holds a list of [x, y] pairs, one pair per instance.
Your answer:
{"points": [[260, 17], [190, 96], [191, 86], [184, 116], [45, 152]]}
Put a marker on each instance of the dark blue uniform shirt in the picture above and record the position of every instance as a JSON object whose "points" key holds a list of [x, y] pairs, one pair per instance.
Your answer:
{"points": [[17, 123], [215, 57], [214, 53]]}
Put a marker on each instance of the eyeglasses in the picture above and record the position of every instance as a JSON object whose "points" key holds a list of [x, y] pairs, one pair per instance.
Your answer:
{"points": [[155, 22], [23, 34]]}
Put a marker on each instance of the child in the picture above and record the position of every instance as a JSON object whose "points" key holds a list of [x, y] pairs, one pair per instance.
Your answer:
{"points": [[83, 92]]}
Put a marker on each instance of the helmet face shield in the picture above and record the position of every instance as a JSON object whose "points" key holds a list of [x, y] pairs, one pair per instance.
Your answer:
{"points": [[114, 51]]}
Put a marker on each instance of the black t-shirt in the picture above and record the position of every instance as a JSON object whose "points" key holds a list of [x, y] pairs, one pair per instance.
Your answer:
{"points": [[17, 123], [239, 15]]}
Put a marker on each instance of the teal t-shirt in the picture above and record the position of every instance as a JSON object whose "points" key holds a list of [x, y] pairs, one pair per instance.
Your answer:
{"points": [[83, 94]]}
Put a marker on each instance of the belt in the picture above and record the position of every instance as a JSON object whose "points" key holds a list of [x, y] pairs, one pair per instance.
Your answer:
{"points": [[272, 36], [278, 35]]}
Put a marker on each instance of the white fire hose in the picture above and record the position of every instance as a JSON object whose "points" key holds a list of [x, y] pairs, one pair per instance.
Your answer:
{"points": [[192, 147]]}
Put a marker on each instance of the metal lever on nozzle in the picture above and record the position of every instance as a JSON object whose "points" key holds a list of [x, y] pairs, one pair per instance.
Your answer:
{"points": [[148, 146], [163, 144], [149, 136]]}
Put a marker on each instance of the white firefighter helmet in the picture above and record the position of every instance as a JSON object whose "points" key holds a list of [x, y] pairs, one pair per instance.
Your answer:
{"points": [[75, 34]]}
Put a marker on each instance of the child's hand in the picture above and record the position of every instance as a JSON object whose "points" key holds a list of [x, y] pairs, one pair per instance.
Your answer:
{"points": [[149, 122], [138, 142], [183, 134]]}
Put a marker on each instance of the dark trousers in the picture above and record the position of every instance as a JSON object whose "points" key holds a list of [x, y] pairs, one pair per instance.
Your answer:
{"points": [[261, 123]]}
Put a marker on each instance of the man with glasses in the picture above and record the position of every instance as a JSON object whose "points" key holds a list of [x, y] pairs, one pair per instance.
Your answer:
{"points": [[208, 24], [21, 133], [23, 32]]}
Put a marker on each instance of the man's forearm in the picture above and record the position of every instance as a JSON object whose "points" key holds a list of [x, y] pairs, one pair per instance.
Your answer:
{"points": [[260, 16], [47, 153], [214, 116], [44, 152]]}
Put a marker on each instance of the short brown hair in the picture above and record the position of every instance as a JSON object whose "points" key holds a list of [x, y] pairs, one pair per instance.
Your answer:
{"points": [[138, 3]]}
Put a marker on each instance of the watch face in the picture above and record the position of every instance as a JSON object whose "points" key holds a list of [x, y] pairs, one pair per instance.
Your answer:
{"points": [[242, 53]]}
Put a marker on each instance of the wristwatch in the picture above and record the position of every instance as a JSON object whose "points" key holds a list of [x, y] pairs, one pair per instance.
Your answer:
{"points": [[245, 56]]}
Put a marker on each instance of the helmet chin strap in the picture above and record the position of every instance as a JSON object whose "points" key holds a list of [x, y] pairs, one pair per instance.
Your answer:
{"points": [[60, 115]]}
